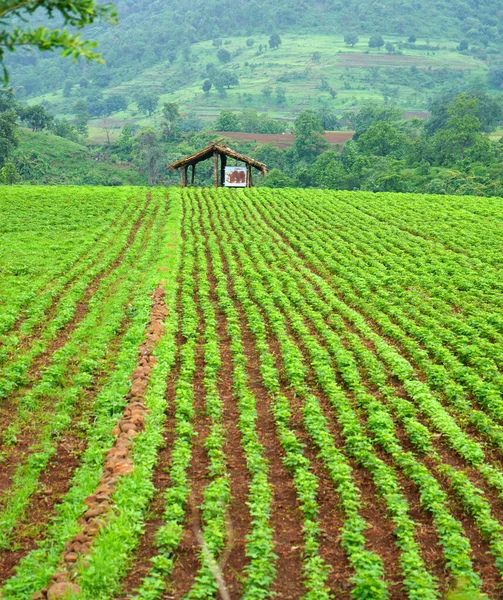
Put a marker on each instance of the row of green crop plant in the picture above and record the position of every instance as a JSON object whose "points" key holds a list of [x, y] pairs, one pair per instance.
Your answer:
{"points": [[467, 226], [34, 312], [215, 526], [133, 491], [374, 276], [260, 571], [388, 271], [431, 407], [74, 286], [438, 375], [359, 445], [368, 567], [51, 403], [36, 257], [468, 494], [315, 569], [435, 272]]}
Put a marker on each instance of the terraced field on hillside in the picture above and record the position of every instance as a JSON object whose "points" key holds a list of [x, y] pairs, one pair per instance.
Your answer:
{"points": [[247, 394]]}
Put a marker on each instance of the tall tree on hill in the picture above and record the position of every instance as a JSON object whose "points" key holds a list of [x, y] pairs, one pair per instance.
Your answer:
{"points": [[15, 32], [351, 39], [147, 102], [376, 41], [275, 41], [36, 117], [148, 155], [309, 141], [8, 134]]}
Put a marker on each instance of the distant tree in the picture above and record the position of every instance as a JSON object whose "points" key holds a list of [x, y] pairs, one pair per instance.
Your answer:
{"points": [[171, 118], [270, 156], [250, 42], [351, 39], [84, 83], [370, 114], [15, 30], [275, 41], [65, 129], [82, 117], [217, 43], [333, 93], [376, 41], [227, 121], [495, 77], [412, 39], [463, 125], [207, 85], [390, 48], [463, 45], [280, 96], [9, 174], [36, 117], [226, 79], [147, 102], [148, 154], [8, 134], [308, 131], [382, 139], [328, 119], [267, 92], [224, 56], [125, 143], [67, 89], [316, 57], [116, 104], [277, 179]]}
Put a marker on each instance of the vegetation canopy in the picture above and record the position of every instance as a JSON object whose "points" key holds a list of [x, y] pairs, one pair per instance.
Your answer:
{"points": [[16, 32]]}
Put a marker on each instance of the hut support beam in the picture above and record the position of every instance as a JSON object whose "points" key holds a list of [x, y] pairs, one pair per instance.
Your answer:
{"points": [[215, 167], [223, 164], [193, 178]]}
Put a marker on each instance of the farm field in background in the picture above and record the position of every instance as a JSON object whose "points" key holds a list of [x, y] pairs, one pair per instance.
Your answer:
{"points": [[247, 394], [357, 74]]}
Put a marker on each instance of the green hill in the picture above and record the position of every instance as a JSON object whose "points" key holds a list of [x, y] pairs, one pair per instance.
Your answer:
{"points": [[166, 47], [43, 158]]}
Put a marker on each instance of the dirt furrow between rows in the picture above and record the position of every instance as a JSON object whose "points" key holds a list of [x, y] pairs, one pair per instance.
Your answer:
{"points": [[118, 461]]}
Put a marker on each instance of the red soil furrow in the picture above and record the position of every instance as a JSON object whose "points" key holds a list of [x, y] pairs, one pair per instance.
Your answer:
{"points": [[147, 547], [286, 516], [56, 479], [239, 515], [82, 308], [330, 518], [187, 556], [118, 461], [481, 553], [28, 435]]}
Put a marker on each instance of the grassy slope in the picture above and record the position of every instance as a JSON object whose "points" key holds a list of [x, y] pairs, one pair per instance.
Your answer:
{"points": [[365, 72], [54, 160]]}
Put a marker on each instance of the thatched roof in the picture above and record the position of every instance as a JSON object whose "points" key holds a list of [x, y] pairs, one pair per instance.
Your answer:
{"points": [[208, 153]]}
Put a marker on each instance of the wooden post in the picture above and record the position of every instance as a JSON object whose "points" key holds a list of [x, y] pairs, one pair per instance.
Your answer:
{"points": [[250, 182], [248, 175], [183, 177], [215, 167], [193, 173], [223, 164]]}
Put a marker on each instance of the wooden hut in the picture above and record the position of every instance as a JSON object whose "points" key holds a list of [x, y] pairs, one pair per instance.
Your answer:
{"points": [[223, 175]]}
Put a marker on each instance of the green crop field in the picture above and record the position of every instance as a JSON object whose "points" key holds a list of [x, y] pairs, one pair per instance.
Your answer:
{"points": [[250, 394]]}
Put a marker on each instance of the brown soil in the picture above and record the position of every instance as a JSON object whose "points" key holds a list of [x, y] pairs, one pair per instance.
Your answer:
{"points": [[284, 140], [27, 437], [118, 461]]}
